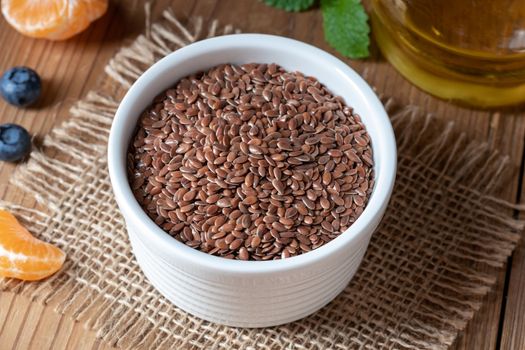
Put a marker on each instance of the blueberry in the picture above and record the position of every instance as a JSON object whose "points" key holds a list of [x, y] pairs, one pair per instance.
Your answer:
{"points": [[15, 142], [20, 86]]}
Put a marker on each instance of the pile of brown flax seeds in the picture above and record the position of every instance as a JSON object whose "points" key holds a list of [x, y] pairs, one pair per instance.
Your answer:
{"points": [[251, 162]]}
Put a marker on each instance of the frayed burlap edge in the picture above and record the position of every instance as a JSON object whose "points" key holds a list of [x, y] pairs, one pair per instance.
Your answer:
{"points": [[79, 145]]}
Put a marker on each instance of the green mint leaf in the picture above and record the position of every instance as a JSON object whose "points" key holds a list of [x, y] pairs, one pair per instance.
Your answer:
{"points": [[290, 5], [346, 27]]}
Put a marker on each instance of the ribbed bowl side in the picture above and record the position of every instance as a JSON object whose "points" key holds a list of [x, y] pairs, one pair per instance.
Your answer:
{"points": [[224, 304]]}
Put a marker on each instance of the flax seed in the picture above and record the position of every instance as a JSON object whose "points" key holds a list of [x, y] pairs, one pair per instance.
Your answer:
{"points": [[251, 162]]}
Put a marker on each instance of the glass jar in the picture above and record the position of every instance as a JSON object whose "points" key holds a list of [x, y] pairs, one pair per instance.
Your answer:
{"points": [[472, 51]]}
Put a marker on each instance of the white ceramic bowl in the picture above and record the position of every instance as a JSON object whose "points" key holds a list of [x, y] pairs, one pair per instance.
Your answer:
{"points": [[251, 293]]}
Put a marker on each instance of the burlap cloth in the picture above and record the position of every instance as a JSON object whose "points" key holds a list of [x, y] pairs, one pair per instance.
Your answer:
{"points": [[418, 285]]}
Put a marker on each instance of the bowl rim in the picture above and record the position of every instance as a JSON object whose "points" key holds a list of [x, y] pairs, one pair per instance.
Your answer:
{"points": [[137, 218]]}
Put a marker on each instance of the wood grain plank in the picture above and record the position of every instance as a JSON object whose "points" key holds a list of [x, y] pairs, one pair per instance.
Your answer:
{"points": [[64, 332], [6, 303], [28, 327], [482, 332], [47, 329], [15, 322], [513, 329], [80, 339]]}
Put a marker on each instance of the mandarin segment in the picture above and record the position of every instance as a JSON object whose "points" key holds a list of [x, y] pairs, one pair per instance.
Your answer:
{"points": [[52, 19], [23, 256]]}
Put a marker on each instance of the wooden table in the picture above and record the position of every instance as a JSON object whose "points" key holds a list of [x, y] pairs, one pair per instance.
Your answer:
{"points": [[70, 69]]}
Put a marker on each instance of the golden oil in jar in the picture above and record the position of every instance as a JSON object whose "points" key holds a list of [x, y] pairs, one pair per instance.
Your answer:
{"points": [[472, 51]]}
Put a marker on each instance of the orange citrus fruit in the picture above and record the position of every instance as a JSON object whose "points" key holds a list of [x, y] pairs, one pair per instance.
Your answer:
{"points": [[52, 19], [23, 256]]}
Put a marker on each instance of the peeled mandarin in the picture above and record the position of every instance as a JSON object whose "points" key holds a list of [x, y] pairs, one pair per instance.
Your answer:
{"points": [[23, 256], [52, 19]]}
